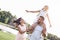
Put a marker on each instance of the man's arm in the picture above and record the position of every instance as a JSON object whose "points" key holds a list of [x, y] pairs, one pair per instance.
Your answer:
{"points": [[20, 31], [33, 26], [33, 11], [44, 30]]}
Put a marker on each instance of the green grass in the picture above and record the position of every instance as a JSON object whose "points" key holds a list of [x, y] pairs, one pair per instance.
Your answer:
{"points": [[6, 36]]}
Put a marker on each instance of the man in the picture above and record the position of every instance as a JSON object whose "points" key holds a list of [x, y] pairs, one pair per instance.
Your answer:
{"points": [[39, 29]]}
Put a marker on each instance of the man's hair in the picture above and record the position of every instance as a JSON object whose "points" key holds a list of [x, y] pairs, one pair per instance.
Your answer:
{"points": [[42, 17]]}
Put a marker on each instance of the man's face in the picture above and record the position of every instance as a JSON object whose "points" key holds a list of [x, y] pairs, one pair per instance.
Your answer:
{"points": [[40, 20]]}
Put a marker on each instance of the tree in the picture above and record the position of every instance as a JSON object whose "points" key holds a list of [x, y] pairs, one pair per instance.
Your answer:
{"points": [[6, 20], [6, 17], [52, 37]]}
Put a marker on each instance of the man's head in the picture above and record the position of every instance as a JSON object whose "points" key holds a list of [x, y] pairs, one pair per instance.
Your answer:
{"points": [[41, 19]]}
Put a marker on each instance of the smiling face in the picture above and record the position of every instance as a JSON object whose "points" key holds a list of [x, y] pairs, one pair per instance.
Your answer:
{"points": [[41, 19], [22, 21]]}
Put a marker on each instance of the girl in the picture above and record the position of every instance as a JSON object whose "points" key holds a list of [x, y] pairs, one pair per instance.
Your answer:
{"points": [[42, 13]]}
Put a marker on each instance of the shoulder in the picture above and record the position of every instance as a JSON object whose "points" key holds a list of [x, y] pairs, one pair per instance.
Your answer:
{"points": [[19, 26]]}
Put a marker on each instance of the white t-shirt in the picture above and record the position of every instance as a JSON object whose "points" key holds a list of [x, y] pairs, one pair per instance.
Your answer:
{"points": [[42, 13]]}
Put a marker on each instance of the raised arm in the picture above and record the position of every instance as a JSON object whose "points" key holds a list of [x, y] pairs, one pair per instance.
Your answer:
{"points": [[33, 11], [20, 31], [48, 19]]}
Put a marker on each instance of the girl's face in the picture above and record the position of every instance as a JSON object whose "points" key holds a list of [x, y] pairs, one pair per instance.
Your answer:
{"points": [[45, 8]]}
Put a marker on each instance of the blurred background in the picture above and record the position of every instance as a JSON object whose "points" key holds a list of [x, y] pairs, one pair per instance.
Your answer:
{"points": [[10, 10]]}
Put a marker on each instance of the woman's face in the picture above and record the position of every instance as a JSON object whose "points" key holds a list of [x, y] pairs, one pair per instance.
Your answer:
{"points": [[22, 21]]}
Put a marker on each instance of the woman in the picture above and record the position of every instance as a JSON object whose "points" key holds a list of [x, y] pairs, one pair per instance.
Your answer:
{"points": [[39, 29], [21, 29], [42, 13]]}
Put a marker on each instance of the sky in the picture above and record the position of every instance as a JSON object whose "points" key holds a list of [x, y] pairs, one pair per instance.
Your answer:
{"points": [[18, 7]]}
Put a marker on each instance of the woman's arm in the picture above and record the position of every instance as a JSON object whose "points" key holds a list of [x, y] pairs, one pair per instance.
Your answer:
{"points": [[20, 31], [48, 19], [33, 11]]}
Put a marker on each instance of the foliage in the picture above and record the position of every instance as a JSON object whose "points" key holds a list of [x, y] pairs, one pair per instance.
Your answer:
{"points": [[6, 17], [52, 37]]}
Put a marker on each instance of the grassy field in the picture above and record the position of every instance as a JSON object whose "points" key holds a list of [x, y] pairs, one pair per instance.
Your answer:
{"points": [[6, 36]]}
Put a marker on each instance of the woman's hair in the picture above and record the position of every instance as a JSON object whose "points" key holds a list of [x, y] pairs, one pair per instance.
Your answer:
{"points": [[17, 21]]}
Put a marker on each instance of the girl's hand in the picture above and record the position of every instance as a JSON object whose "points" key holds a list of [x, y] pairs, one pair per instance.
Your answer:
{"points": [[26, 10]]}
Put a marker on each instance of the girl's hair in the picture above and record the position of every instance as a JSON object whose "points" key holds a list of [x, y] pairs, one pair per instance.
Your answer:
{"points": [[17, 21]]}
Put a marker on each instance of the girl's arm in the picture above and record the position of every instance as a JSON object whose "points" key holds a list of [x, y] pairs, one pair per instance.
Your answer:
{"points": [[48, 19], [33, 11]]}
